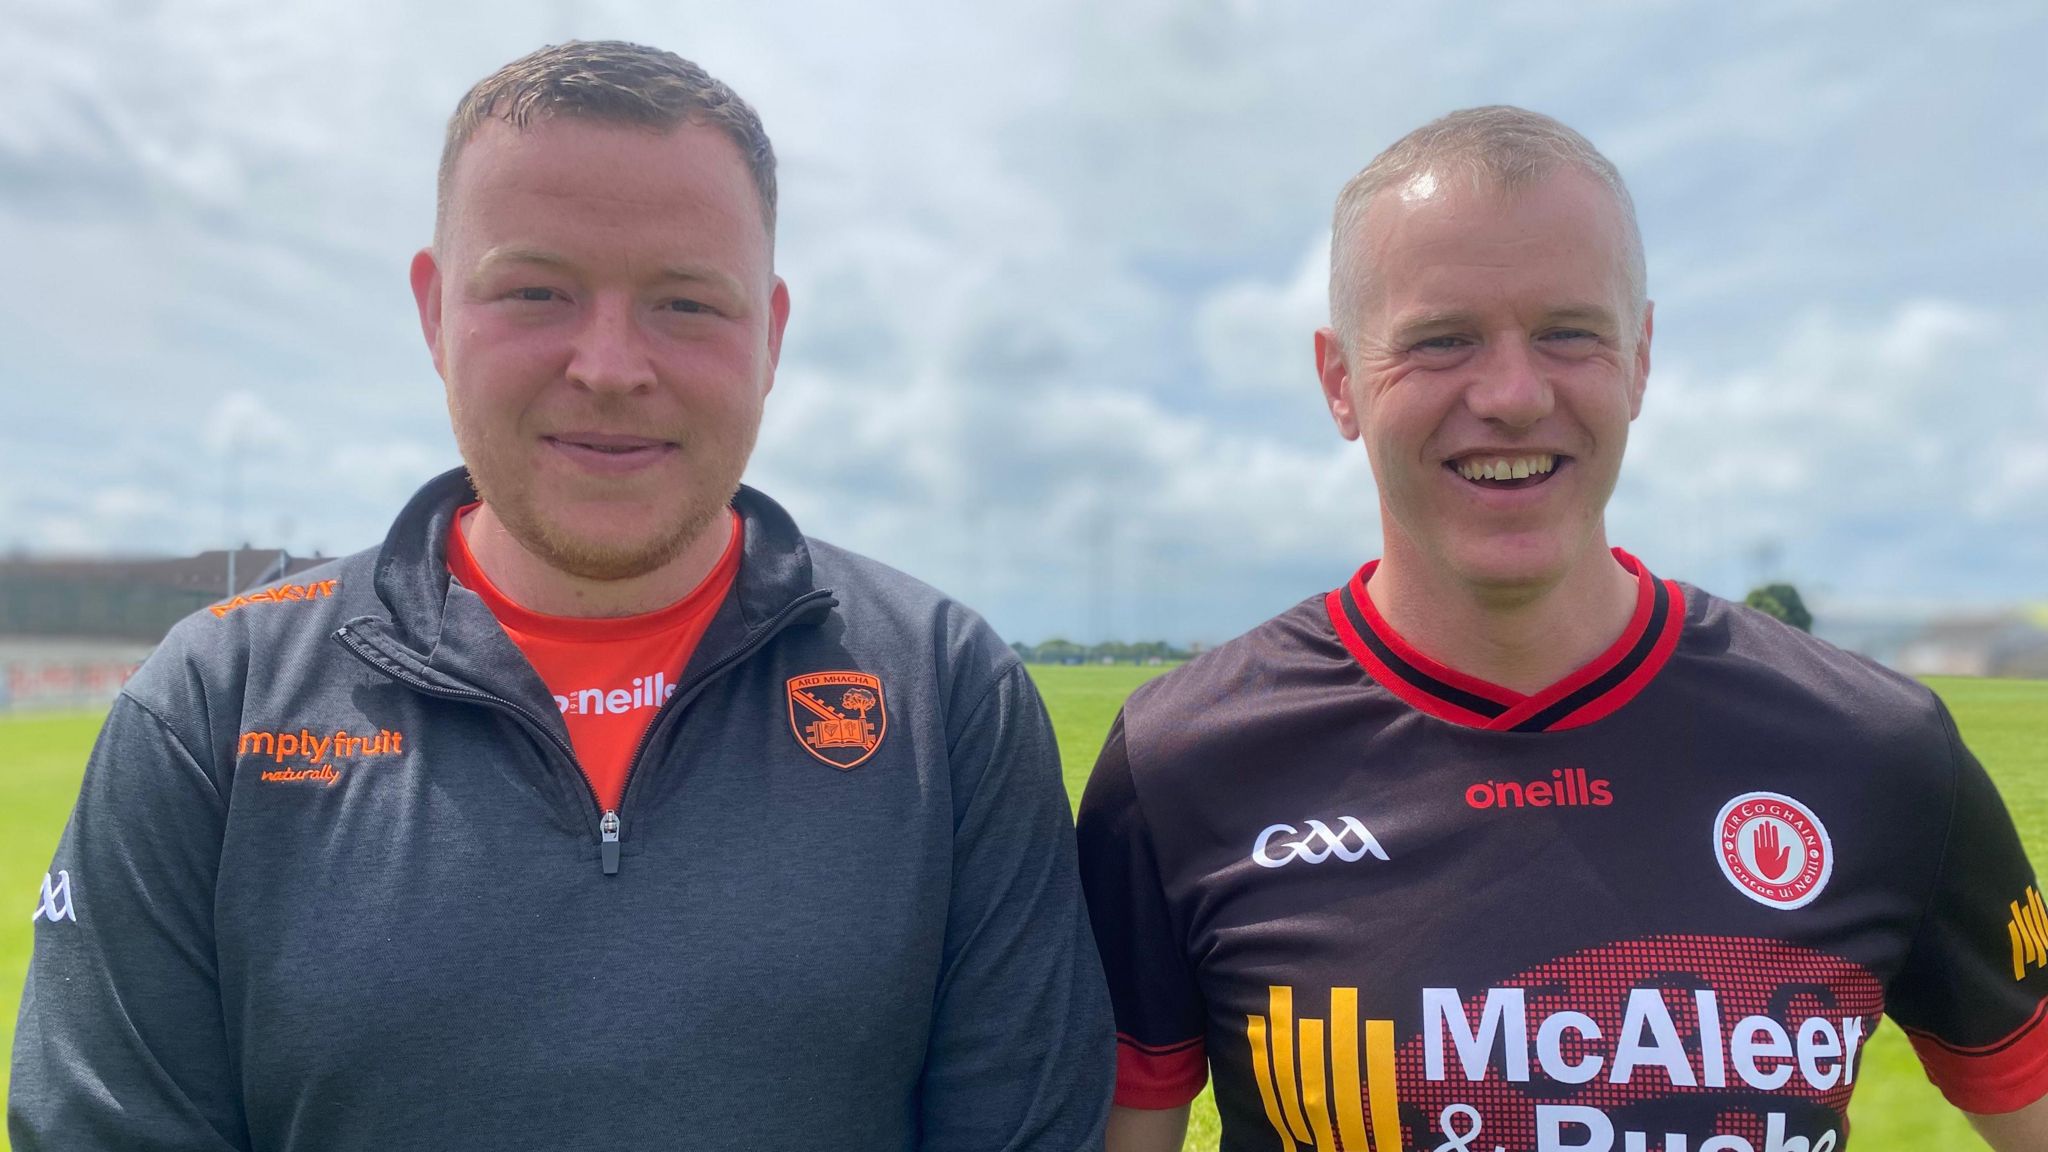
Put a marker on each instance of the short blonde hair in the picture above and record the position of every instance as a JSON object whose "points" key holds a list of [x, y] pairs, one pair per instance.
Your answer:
{"points": [[614, 82], [1499, 146]]}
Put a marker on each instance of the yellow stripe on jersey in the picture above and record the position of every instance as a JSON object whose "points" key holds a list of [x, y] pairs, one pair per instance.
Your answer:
{"points": [[1379, 1075], [1313, 1095], [1345, 1083], [1281, 1011], [1255, 1031]]}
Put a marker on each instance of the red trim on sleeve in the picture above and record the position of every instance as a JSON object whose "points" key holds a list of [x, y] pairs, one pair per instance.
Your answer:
{"points": [[1153, 1077], [2004, 1076]]}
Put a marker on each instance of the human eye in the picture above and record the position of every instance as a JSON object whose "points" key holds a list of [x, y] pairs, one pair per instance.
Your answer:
{"points": [[1573, 343], [533, 294], [1439, 344], [685, 306]]}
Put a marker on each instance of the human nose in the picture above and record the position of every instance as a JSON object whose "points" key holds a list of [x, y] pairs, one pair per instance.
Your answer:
{"points": [[610, 353], [1509, 388]]}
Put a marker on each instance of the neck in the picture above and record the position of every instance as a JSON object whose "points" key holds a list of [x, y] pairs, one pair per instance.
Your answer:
{"points": [[1524, 638], [534, 584]]}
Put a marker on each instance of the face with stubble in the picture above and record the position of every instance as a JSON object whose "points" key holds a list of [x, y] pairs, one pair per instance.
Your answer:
{"points": [[602, 307]]}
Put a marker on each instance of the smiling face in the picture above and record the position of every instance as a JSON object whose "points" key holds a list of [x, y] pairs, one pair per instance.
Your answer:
{"points": [[1492, 369], [601, 305]]}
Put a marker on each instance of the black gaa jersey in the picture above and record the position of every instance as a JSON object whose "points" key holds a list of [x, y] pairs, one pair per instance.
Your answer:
{"points": [[1660, 905]]}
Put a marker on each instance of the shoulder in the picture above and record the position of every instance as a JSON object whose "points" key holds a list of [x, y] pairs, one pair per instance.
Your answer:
{"points": [[194, 681], [1241, 690], [1745, 645], [283, 614], [1773, 673], [904, 623]]}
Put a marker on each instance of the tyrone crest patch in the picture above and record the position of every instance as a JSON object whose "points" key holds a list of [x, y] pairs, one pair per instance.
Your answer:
{"points": [[838, 717], [1773, 849]]}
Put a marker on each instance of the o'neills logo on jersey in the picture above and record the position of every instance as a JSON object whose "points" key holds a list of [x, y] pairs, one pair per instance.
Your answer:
{"points": [[644, 692], [838, 717], [1566, 788], [1583, 1059], [1773, 849]]}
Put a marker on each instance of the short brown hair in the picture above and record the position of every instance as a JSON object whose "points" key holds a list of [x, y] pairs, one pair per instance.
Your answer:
{"points": [[1500, 145], [610, 81]]}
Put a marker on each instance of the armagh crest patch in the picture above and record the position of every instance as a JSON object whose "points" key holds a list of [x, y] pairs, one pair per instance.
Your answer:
{"points": [[839, 717]]}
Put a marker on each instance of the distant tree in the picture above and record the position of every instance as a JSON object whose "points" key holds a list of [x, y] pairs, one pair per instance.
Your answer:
{"points": [[1110, 652], [1059, 650], [1062, 651], [1783, 602]]}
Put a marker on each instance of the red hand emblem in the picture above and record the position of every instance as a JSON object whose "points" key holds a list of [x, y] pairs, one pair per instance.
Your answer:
{"points": [[1772, 858]]}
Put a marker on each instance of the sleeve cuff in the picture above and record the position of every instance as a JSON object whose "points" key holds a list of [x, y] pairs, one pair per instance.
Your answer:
{"points": [[1152, 1077], [2004, 1076]]}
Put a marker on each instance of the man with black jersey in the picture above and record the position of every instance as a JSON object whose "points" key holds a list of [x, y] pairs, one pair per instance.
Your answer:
{"points": [[1506, 843]]}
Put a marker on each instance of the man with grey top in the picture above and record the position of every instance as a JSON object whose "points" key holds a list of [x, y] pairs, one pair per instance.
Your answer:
{"points": [[597, 805]]}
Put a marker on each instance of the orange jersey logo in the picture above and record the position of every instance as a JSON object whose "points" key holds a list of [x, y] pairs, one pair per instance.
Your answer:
{"points": [[282, 594], [838, 717]]}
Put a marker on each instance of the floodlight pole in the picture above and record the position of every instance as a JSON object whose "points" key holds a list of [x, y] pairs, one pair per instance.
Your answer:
{"points": [[231, 472]]}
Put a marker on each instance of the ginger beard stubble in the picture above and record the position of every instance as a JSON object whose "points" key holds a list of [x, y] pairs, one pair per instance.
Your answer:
{"points": [[715, 456], [605, 285]]}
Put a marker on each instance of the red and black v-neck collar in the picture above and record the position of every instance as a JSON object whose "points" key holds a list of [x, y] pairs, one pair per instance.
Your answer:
{"points": [[1593, 691]]}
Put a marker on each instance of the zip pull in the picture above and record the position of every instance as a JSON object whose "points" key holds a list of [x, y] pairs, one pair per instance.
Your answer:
{"points": [[608, 834]]}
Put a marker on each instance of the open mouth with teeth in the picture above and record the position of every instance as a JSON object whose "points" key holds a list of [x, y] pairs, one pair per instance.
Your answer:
{"points": [[1507, 471]]}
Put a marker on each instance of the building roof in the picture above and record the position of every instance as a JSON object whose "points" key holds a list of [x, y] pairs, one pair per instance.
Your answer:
{"points": [[206, 572]]}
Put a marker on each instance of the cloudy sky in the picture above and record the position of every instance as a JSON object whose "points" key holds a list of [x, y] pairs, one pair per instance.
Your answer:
{"points": [[1055, 268]]}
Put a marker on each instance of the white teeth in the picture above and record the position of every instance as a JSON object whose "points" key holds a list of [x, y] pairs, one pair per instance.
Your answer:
{"points": [[1504, 468]]}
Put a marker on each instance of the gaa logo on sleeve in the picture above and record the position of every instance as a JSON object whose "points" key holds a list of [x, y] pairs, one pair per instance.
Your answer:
{"points": [[1773, 849]]}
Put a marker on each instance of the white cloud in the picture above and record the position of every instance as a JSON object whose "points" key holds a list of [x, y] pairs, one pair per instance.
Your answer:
{"points": [[1056, 267], [1858, 452], [1255, 335]]}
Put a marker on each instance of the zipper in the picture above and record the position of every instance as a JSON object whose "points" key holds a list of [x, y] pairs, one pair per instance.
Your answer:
{"points": [[608, 840], [608, 822], [689, 692]]}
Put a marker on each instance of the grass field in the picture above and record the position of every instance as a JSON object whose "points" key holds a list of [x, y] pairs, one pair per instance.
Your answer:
{"points": [[1895, 1110]]}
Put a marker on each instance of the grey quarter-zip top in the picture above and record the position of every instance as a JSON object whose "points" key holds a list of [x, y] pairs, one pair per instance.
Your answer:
{"points": [[335, 881]]}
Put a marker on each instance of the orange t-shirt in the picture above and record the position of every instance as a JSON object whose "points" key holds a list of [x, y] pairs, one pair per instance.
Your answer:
{"points": [[608, 676]]}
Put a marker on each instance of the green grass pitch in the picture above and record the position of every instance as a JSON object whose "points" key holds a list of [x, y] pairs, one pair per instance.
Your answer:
{"points": [[1895, 1110]]}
